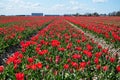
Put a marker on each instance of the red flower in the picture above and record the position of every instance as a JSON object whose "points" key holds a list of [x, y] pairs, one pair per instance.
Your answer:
{"points": [[88, 53], [34, 67], [19, 76], [57, 59], [61, 49], [66, 66], [105, 50], [74, 64], [118, 68], [69, 46], [89, 47], [9, 60], [78, 41], [96, 60], [107, 57], [83, 39], [42, 52], [30, 60], [112, 59], [98, 67], [55, 43], [17, 61], [98, 54], [23, 50], [39, 65], [76, 56], [68, 60], [16, 53], [105, 68], [99, 46], [37, 49], [78, 48], [1, 69], [83, 65], [20, 55]]}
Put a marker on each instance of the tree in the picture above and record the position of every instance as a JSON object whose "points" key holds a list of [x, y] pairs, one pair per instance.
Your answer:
{"points": [[95, 14]]}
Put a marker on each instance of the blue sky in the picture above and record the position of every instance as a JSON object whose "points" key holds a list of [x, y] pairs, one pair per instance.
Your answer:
{"points": [[17, 7]]}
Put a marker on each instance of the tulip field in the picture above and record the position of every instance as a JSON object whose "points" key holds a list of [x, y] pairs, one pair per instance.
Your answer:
{"points": [[52, 49]]}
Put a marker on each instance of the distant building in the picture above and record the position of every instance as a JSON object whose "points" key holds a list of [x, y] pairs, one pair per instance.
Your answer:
{"points": [[37, 14]]}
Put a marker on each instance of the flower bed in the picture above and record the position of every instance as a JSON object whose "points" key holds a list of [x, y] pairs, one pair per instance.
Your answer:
{"points": [[61, 52]]}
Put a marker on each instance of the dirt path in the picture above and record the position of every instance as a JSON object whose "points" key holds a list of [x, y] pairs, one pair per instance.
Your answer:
{"points": [[100, 41]]}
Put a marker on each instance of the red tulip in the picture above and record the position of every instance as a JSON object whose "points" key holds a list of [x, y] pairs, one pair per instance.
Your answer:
{"points": [[19, 76], [88, 53], [78, 48], [89, 47], [1, 69], [30, 60], [55, 43], [33, 67], [118, 68], [105, 68], [39, 65], [78, 41], [76, 56], [98, 54], [61, 49], [98, 67], [68, 60], [66, 66], [112, 60], [96, 60], [74, 64], [57, 59], [83, 65]]}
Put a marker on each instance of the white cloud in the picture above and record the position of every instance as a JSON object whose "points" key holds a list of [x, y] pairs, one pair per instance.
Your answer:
{"points": [[13, 7], [74, 7], [80, 7], [74, 2], [99, 1]]}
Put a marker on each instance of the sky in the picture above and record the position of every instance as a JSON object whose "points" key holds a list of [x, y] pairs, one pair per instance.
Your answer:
{"points": [[60, 7]]}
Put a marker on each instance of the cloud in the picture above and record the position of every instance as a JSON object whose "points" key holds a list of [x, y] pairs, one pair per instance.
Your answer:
{"points": [[23, 4], [99, 1], [74, 2], [14, 7], [74, 7], [79, 7]]}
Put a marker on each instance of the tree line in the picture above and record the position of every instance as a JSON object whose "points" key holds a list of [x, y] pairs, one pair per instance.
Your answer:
{"points": [[115, 13]]}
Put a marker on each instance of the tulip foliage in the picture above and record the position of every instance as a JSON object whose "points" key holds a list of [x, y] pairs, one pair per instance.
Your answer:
{"points": [[60, 52]]}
